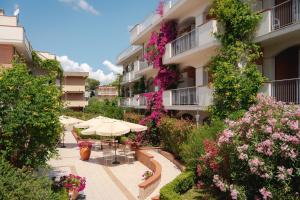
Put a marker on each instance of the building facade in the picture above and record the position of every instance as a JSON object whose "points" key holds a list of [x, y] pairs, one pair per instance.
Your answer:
{"points": [[106, 92], [14, 42], [73, 88], [195, 45]]}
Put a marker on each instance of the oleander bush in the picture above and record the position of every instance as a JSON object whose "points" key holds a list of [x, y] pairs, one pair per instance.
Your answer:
{"points": [[17, 184], [174, 133], [178, 186], [257, 156]]}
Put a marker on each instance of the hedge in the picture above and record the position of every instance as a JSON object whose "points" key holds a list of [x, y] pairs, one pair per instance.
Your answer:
{"points": [[178, 186]]}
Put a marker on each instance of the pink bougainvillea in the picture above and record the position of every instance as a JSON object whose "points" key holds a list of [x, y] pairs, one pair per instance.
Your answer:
{"points": [[160, 8], [166, 76]]}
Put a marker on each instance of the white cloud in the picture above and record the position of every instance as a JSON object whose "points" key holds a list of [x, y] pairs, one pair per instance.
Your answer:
{"points": [[70, 65], [81, 5], [113, 67]]}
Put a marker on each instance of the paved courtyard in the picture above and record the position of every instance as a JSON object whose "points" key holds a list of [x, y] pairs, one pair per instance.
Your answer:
{"points": [[107, 182]]}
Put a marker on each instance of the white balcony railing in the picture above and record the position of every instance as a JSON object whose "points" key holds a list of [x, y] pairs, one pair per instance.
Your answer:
{"points": [[285, 14], [287, 90], [193, 96], [279, 17], [128, 52], [184, 43], [153, 18], [73, 88], [128, 77], [201, 37]]}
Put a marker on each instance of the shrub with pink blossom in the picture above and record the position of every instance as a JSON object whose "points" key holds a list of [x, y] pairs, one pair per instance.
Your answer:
{"points": [[259, 153]]}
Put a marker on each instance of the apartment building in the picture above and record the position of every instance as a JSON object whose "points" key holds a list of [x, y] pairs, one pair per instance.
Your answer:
{"points": [[106, 92], [278, 34], [73, 87], [14, 42]]}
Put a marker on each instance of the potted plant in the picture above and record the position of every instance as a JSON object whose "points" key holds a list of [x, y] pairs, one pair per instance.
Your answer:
{"points": [[85, 150], [74, 184], [147, 175]]}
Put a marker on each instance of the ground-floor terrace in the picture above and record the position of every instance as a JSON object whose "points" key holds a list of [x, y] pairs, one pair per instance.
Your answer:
{"points": [[105, 181]]}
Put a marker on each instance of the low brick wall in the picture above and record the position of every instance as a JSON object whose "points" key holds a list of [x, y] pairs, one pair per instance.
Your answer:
{"points": [[149, 185]]}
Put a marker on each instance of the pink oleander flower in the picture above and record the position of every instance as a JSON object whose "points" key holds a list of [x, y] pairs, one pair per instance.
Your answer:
{"points": [[288, 152], [225, 136], [265, 147], [265, 193], [272, 122], [233, 192], [268, 129], [255, 164], [294, 125], [219, 183]]}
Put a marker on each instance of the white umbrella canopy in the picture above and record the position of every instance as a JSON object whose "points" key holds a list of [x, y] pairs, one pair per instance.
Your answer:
{"points": [[108, 127], [135, 127], [90, 123]]}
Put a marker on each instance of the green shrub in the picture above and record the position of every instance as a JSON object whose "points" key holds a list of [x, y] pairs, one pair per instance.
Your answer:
{"points": [[79, 115], [104, 108], [178, 186], [133, 117], [173, 133], [16, 184], [193, 147], [123, 139]]}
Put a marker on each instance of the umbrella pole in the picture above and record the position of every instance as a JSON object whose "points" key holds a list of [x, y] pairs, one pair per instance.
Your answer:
{"points": [[115, 161]]}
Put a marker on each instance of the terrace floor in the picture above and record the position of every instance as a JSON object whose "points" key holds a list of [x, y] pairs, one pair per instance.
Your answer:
{"points": [[119, 182]]}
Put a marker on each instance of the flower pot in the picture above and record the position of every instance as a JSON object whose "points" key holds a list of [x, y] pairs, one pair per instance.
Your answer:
{"points": [[85, 153], [74, 194]]}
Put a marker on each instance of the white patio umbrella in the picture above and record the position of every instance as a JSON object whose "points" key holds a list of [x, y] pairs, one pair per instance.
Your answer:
{"points": [[108, 127], [90, 123]]}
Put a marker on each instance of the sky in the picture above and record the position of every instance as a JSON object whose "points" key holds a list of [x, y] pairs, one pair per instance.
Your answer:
{"points": [[86, 35]]}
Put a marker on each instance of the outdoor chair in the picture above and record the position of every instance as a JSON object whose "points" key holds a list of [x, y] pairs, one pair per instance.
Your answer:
{"points": [[107, 155]]}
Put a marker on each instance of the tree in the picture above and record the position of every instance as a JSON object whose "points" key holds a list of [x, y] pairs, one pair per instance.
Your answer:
{"points": [[92, 84], [29, 117]]}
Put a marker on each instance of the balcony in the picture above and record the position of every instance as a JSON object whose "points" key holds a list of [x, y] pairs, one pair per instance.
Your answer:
{"points": [[151, 21], [129, 77], [128, 52], [73, 88], [193, 98], [14, 35], [279, 20], [190, 45], [142, 67], [75, 103], [287, 90]]}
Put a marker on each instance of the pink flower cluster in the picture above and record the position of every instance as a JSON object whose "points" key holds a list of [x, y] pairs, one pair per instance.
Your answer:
{"points": [[219, 183], [74, 182], [242, 152], [265, 147], [160, 8], [284, 173], [225, 136], [265, 193]]}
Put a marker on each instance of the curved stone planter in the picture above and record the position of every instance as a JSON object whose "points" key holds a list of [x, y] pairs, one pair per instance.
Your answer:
{"points": [[149, 185]]}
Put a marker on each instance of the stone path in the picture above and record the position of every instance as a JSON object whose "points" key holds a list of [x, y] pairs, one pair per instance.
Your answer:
{"points": [[107, 182]]}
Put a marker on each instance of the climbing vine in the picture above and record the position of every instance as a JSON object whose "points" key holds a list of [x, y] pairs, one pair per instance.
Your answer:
{"points": [[236, 79], [167, 77], [53, 67]]}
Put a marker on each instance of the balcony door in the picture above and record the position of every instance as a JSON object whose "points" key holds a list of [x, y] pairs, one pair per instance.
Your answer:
{"points": [[286, 87]]}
